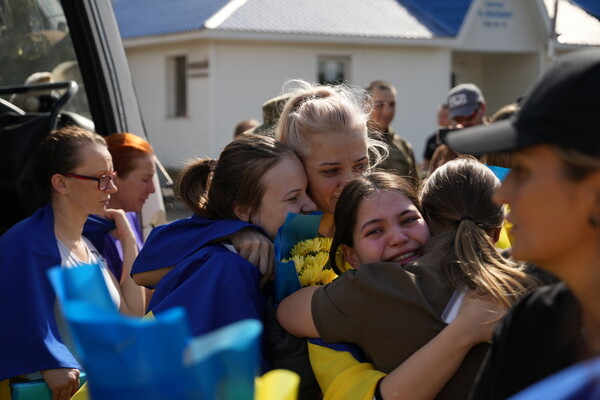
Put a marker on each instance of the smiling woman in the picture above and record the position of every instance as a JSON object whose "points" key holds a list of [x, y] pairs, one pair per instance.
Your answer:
{"points": [[378, 209], [255, 183], [395, 309]]}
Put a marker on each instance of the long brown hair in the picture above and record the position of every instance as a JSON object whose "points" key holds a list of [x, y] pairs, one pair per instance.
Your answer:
{"points": [[213, 188], [457, 197]]}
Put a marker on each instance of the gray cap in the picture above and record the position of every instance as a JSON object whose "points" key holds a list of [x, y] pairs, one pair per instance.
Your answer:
{"points": [[463, 100], [561, 109]]}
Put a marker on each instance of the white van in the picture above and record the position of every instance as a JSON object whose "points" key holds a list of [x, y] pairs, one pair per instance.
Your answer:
{"points": [[62, 63]]}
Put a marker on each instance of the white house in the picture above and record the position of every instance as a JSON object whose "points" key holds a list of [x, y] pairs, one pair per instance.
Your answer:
{"points": [[202, 66]]}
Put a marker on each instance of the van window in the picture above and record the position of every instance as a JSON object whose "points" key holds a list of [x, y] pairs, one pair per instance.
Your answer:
{"points": [[36, 47]]}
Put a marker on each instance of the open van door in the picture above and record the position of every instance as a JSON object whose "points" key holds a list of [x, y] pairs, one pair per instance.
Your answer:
{"points": [[63, 62]]}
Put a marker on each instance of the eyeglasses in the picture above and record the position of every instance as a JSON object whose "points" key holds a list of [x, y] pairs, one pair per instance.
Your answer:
{"points": [[103, 181]]}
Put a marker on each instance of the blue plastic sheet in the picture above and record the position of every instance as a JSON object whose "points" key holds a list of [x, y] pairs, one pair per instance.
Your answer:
{"points": [[297, 227], [83, 284], [578, 382], [127, 358], [231, 356], [500, 172]]}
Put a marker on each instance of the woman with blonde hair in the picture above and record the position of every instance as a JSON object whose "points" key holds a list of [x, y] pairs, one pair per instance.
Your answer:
{"points": [[327, 127]]}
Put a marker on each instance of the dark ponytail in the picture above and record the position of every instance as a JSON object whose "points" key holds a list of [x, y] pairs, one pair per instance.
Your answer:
{"points": [[213, 189], [193, 183]]}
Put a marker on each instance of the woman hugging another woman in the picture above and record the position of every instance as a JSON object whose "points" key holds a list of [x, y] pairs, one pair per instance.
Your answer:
{"points": [[255, 183], [399, 304], [327, 128]]}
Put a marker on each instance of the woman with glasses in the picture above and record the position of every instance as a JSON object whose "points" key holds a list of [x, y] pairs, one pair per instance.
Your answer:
{"points": [[75, 173]]}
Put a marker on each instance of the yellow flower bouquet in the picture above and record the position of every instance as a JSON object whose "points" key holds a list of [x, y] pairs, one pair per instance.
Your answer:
{"points": [[302, 257], [296, 230], [311, 259]]}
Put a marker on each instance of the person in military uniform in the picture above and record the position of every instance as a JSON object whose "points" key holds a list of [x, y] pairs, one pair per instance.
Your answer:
{"points": [[401, 159], [271, 110], [244, 126]]}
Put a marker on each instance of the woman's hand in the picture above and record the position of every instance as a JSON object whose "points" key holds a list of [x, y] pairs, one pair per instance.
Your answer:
{"points": [[257, 249], [479, 316], [63, 382], [425, 373], [133, 301], [123, 230]]}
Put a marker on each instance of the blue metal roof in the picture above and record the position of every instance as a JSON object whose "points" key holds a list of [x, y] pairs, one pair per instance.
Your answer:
{"points": [[366, 18], [592, 7], [442, 17], [138, 18]]}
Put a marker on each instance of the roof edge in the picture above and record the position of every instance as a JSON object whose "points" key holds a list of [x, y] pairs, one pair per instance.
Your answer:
{"points": [[284, 38], [221, 16]]}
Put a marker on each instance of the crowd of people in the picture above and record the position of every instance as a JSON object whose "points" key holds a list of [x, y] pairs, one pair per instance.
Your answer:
{"points": [[427, 303]]}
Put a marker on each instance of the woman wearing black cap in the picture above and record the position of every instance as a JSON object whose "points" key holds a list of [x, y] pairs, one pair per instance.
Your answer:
{"points": [[554, 197]]}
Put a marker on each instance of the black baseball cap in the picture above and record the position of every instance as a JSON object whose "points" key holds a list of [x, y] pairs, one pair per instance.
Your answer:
{"points": [[563, 108]]}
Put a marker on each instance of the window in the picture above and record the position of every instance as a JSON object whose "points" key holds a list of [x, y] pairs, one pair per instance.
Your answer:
{"points": [[177, 78], [333, 70], [36, 47]]}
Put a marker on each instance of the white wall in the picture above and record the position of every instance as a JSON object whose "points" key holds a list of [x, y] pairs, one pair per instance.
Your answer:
{"points": [[501, 77], [509, 76], [501, 25], [242, 75], [246, 75], [174, 139], [501, 48]]}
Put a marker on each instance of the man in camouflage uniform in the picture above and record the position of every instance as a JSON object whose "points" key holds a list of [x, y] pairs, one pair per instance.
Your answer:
{"points": [[401, 159], [271, 110]]}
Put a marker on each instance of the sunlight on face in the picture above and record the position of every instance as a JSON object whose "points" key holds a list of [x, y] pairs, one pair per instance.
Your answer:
{"points": [[84, 195], [135, 187], [388, 228], [550, 213], [332, 160], [285, 191], [384, 107]]}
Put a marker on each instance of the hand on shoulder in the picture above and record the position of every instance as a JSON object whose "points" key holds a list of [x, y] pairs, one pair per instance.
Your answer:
{"points": [[123, 230], [257, 249]]}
